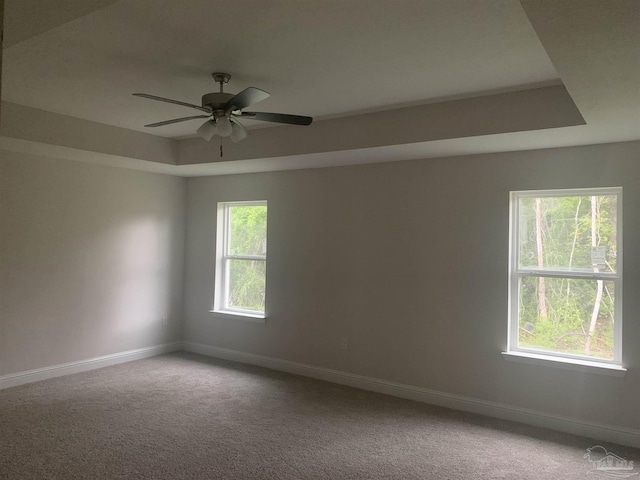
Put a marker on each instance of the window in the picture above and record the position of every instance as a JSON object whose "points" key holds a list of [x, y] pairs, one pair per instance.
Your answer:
{"points": [[565, 288], [241, 259]]}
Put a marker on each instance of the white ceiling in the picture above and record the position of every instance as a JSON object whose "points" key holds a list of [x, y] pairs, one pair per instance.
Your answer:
{"points": [[328, 59]]}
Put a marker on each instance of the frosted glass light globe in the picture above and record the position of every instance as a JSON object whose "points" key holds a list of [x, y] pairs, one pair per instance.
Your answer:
{"points": [[223, 127]]}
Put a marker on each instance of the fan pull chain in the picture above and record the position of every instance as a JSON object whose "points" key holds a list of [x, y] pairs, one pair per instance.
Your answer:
{"points": [[220, 147]]}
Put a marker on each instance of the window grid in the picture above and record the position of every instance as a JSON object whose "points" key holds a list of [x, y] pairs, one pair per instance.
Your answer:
{"points": [[224, 258], [517, 273]]}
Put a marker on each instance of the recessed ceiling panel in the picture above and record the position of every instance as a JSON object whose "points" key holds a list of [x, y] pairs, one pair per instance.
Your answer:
{"points": [[325, 58]]}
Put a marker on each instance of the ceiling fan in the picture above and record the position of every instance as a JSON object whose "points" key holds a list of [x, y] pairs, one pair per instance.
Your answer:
{"points": [[223, 110]]}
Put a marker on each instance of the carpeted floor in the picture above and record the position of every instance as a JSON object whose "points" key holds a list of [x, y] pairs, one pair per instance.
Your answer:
{"points": [[185, 416]]}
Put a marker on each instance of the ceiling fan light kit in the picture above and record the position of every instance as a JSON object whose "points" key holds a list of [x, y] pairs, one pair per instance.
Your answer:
{"points": [[223, 110], [207, 130]]}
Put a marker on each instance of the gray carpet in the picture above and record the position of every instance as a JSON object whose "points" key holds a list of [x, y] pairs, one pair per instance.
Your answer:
{"points": [[186, 416]]}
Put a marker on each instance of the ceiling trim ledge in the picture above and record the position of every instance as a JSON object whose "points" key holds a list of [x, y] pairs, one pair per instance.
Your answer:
{"points": [[66, 153], [33, 125], [519, 111]]}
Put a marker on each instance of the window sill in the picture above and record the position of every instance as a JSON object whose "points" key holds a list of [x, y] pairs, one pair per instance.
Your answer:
{"points": [[247, 317], [566, 363]]}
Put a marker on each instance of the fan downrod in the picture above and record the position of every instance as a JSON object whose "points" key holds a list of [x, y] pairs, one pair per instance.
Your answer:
{"points": [[221, 78]]}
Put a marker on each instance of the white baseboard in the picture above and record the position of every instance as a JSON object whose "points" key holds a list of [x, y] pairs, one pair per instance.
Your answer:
{"points": [[45, 373], [614, 434]]}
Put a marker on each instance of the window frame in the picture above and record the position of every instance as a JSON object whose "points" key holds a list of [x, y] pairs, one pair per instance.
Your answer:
{"points": [[223, 258], [516, 273]]}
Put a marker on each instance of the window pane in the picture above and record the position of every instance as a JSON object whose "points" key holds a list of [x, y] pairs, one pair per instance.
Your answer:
{"points": [[560, 233], [248, 235], [246, 284], [567, 316]]}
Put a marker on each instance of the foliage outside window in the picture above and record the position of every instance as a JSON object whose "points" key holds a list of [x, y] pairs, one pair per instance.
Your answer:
{"points": [[566, 274], [241, 258]]}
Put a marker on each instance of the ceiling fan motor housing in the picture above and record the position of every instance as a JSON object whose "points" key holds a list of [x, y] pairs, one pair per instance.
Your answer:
{"points": [[216, 100]]}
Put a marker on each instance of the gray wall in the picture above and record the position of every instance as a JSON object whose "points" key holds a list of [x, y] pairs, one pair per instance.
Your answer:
{"points": [[91, 259], [409, 261]]}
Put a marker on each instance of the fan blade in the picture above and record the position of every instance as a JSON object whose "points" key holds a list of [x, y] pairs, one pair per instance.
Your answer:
{"points": [[175, 120], [207, 130], [168, 100], [278, 118], [238, 131], [247, 97]]}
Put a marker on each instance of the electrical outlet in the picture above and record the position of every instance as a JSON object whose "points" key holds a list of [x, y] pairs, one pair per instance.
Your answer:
{"points": [[165, 321], [344, 343]]}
